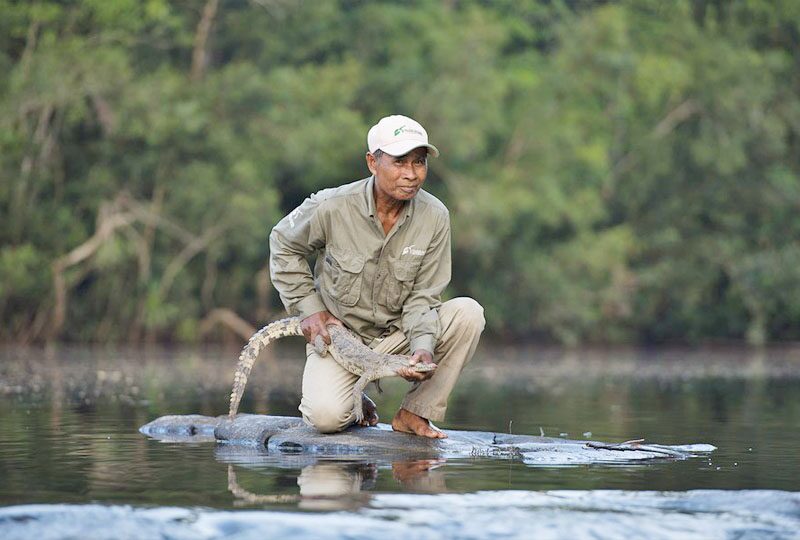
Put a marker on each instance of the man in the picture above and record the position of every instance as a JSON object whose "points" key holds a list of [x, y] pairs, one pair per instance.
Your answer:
{"points": [[383, 259]]}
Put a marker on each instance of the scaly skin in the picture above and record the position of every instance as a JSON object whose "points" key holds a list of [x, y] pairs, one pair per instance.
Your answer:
{"points": [[345, 348]]}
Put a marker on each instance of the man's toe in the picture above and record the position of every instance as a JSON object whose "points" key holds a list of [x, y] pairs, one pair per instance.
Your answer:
{"points": [[436, 434]]}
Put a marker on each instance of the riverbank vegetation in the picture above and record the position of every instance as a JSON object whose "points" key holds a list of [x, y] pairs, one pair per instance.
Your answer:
{"points": [[616, 171]]}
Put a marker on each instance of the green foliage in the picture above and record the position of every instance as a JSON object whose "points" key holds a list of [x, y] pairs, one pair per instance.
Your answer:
{"points": [[23, 271], [623, 170]]}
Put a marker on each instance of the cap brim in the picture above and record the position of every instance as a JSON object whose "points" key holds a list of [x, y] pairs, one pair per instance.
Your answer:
{"points": [[402, 148]]}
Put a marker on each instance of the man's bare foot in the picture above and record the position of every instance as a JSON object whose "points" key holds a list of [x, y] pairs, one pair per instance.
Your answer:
{"points": [[408, 422], [370, 412]]}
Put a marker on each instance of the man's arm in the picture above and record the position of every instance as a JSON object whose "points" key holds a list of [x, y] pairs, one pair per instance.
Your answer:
{"points": [[294, 238], [420, 318]]}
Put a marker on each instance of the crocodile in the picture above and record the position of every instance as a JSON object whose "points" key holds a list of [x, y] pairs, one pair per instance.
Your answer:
{"points": [[346, 348]]}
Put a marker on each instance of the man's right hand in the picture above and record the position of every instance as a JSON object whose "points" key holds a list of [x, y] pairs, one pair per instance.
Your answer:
{"points": [[316, 325], [419, 357]]}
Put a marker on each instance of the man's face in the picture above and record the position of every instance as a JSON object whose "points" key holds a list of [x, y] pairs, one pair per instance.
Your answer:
{"points": [[399, 178]]}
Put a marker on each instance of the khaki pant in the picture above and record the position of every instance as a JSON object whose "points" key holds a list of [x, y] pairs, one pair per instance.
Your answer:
{"points": [[327, 402]]}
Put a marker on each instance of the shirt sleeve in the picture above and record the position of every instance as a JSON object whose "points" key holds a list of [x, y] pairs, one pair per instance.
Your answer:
{"points": [[420, 318], [291, 241]]}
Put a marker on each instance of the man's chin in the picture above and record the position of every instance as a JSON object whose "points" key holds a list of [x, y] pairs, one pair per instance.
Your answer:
{"points": [[404, 195]]}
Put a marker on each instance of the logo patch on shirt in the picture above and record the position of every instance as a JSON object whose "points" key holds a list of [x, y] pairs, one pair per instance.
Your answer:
{"points": [[410, 250], [296, 213]]}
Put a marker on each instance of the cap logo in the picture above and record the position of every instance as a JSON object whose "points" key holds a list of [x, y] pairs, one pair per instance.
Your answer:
{"points": [[403, 129]]}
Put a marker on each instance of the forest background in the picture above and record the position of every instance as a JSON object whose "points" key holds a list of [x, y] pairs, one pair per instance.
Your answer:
{"points": [[618, 171]]}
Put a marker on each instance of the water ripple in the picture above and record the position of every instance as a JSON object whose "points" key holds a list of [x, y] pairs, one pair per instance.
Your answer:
{"points": [[706, 514]]}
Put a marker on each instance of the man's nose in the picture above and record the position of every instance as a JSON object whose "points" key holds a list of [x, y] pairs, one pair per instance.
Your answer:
{"points": [[409, 171]]}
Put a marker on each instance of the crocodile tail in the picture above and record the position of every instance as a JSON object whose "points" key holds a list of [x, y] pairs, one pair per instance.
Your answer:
{"points": [[262, 338]]}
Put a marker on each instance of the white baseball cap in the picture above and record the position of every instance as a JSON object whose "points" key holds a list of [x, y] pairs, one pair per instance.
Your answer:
{"points": [[398, 135]]}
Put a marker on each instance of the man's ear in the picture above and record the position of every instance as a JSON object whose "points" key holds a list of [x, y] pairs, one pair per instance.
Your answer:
{"points": [[371, 163]]}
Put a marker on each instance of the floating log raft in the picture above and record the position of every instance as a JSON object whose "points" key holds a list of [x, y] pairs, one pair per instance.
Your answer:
{"points": [[286, 435]]}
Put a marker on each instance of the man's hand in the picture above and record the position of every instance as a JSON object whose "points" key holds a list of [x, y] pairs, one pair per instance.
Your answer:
{"points": [[420, 356], [316, 325]]}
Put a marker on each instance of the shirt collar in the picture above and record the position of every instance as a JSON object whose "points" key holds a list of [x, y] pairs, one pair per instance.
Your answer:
{"points": [[369, 197]]}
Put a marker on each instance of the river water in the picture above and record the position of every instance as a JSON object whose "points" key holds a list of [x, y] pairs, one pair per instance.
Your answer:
{"points": [[73, 464]]}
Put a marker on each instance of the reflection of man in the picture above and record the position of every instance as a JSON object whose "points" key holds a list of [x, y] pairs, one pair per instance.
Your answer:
{"points": [[335, 485], [343, 485], [383, 260]]}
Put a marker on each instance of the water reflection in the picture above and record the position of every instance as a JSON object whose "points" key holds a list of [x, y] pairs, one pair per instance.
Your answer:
{"points": [[69, 420], [344, 485]]}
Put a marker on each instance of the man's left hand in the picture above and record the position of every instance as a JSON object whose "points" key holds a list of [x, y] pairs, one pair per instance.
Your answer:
{"points": [[409, 374]]}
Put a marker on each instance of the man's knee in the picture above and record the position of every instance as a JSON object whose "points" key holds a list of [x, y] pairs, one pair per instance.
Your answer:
{"points": [[467, 312], [328, 417]]}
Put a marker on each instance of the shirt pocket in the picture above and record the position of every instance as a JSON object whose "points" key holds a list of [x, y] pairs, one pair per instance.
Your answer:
{"points": [[342, 275], [399, 282]]}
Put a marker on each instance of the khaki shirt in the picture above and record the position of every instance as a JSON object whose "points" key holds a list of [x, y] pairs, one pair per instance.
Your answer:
{"points": [[373, 282]]}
